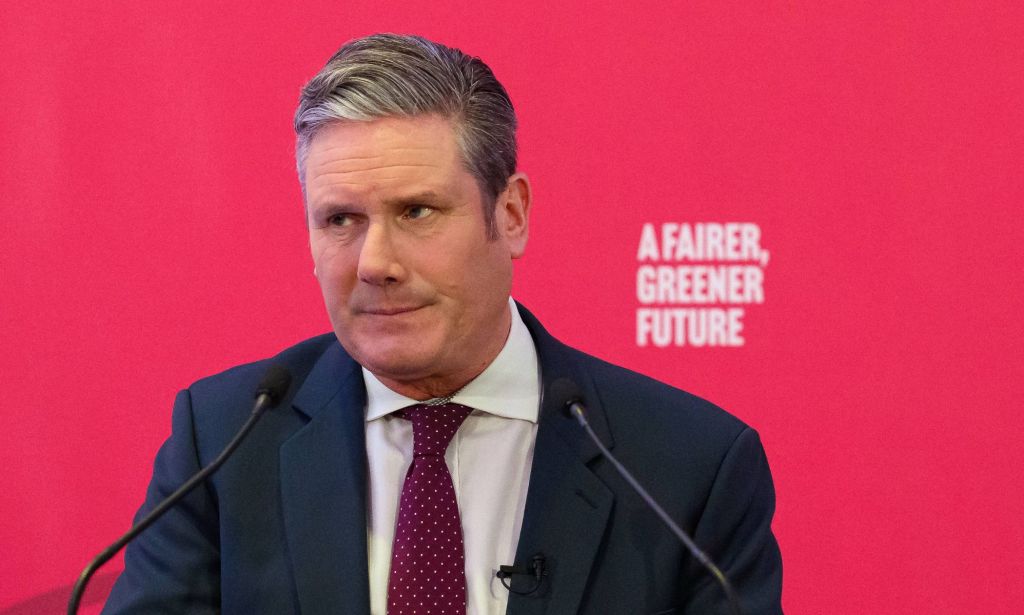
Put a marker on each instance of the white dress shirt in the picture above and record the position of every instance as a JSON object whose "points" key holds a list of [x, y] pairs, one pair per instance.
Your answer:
{"points": [[489, 459]]}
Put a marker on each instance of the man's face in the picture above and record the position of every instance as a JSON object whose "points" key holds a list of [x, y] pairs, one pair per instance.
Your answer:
{"points": [[415, 290]]}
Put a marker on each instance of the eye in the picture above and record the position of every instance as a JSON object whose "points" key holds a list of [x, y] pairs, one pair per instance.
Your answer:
{"points": [[339, 219], [417, 212]]}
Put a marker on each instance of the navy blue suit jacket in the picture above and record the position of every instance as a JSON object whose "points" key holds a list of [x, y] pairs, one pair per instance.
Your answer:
{"points": [[281, 527]]}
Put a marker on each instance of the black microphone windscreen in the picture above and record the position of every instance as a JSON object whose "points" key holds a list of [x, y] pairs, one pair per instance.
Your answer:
{"points": [[275, 383], [565, 392]]}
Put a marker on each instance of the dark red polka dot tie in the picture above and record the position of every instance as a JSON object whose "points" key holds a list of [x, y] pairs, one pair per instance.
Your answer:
{"points": [[428, 569]]}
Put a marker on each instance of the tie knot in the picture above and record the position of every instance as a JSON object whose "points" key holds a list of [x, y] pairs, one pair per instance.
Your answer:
{"points": [[434, 426]]}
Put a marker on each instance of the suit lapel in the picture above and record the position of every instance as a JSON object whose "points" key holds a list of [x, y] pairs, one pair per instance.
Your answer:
{"points": [[567, 506], [323, 489]]}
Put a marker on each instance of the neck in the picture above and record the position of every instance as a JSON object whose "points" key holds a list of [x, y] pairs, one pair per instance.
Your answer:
{"points": [[423, 389]]}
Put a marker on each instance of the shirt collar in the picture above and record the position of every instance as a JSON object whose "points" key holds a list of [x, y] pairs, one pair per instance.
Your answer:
{"points": [[509, 387]]}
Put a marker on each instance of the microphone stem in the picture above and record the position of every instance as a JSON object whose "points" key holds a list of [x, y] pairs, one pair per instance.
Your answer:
{"points": [[577, 411], [263, 401]]}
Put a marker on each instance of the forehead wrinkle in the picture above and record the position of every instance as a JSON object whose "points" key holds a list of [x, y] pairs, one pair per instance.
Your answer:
{"points": [[393, 185], [425, 173], [324, 164], [383, 167], [394, 151], [353, 148], [357, 181]]}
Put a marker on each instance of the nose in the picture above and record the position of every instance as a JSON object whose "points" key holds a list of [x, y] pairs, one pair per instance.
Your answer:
{"points": [[379, 262]]}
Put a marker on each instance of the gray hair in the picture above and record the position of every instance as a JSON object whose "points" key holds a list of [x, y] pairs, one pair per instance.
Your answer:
{"points": [[386, 75]]}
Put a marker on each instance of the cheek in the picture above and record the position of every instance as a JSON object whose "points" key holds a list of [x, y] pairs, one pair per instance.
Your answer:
{"points": [[480, 281], [334, 270]]}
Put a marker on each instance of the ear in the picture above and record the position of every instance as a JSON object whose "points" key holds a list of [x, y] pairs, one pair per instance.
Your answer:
{"points": [[512, 214]]}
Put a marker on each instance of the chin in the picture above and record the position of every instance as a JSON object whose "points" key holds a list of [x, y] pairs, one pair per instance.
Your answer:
{"points": [[400, 363]]}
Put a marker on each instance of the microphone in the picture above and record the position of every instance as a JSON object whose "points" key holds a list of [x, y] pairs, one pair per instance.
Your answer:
{"points": [[565, 389], [269, 393], [535, 569]]}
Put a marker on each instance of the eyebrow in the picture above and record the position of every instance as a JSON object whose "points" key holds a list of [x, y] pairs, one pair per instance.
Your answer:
{"points": [[428, 197]]}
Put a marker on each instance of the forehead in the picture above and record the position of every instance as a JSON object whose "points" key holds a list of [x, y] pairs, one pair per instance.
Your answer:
{"points": [[406, 145], [386, 159]]}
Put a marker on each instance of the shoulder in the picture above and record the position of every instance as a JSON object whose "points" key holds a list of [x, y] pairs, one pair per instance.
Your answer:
{"points": [[642, 414], [298, 360], [221, 401], [641, 409]]}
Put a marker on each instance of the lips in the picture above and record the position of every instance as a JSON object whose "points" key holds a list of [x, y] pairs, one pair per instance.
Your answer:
{"points": [[389, 311]]}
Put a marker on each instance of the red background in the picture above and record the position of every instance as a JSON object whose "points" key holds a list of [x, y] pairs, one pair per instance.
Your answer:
{"points": [[153, 234]]}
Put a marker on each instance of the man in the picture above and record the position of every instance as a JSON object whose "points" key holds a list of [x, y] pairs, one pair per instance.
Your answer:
{"points": [[423, 444]]}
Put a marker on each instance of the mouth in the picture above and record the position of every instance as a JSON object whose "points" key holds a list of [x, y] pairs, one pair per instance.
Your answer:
{"points": [[390, 311]]}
